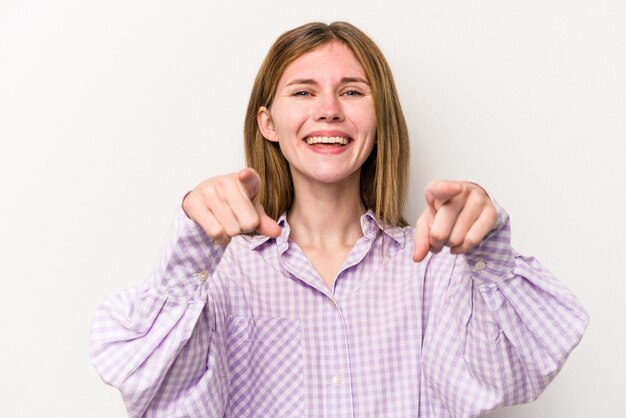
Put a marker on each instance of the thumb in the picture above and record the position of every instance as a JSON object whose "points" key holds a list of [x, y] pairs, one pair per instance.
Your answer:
{"points": [[250, 182], [267, 226], [422, 235]]}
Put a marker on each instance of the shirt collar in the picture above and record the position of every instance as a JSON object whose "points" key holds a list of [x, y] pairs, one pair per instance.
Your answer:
{"points": [[369, 224], [257, 240]]}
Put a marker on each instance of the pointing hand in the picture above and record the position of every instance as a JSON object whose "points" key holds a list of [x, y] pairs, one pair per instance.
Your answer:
{"points": [[458, 215], [225, 206]]}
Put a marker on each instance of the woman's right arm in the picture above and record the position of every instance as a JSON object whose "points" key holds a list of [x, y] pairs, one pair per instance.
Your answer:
{"points": [[156, 343]]}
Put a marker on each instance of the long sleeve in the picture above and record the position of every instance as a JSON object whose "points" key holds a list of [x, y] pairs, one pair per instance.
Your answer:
{"points": [[154, 342], [501, 330]]}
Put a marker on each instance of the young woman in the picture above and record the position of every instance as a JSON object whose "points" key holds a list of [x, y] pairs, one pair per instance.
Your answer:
{"points": [[295, 288]]}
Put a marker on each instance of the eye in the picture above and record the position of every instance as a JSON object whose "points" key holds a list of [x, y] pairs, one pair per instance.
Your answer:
{"points": [[353, 93], [301, 93]]}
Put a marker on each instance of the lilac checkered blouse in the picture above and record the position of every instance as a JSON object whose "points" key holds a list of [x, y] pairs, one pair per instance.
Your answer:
{"points": [[252, 330]]}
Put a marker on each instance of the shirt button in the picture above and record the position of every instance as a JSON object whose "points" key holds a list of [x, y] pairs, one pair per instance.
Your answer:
{"points": [[480, 265], [202, 275], [337, 379], [332, 303]]}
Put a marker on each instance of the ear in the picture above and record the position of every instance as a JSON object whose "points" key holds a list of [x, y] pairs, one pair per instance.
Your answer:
{"points": [[264, 120]]}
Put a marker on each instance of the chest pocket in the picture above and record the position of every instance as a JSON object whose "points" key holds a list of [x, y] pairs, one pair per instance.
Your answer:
{"points": [[265, 367]]}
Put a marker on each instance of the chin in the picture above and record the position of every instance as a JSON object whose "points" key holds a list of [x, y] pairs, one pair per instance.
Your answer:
{"points": [[331, 178]]}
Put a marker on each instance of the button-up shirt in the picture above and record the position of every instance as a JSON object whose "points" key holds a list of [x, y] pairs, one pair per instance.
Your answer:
{"points": [[253, 330]]}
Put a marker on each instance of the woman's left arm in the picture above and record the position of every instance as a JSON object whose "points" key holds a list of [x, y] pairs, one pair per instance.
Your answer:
{"points": [[507, 324]]}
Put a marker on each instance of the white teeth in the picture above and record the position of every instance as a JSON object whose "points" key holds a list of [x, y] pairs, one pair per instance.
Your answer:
{"points": [[327, 140]]}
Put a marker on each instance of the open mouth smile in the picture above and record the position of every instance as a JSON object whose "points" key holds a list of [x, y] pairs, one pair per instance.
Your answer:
{"points": [[327, 140]]}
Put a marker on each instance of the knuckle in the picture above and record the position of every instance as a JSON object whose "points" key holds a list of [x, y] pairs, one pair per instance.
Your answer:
{"points": [[473, 198], [437, 236], [475, 202], [428, 189], [192, 199], [470, 242], [455, 241], [249, 224], [232, 230], [214, 231], [232, 227], [190, 206], [220, 185], [209, 192], [471, 187]]}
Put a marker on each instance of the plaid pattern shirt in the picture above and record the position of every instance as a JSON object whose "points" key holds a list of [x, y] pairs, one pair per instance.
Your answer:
{"points": [[251, 330]]}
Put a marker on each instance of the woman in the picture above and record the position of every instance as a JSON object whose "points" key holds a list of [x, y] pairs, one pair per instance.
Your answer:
{"points": [[295, 288]]}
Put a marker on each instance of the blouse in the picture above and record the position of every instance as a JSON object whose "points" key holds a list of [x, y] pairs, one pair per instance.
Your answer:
{"points": [[252, 330]]}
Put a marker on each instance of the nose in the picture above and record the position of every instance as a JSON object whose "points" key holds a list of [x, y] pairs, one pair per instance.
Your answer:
{"points": [[329, 109]]}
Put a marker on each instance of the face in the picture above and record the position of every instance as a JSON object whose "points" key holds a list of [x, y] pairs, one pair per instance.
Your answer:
{"points": [[322, 116]]}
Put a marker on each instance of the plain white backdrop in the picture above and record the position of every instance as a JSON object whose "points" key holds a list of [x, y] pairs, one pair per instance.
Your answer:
{"points": [[110, 111]]}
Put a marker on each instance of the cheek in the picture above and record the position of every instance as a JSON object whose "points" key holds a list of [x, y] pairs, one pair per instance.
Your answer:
{"points": [[289, 121], [368, 127], [366, 118]]}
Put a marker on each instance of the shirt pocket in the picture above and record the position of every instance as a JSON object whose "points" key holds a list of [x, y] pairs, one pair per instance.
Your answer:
{"points": [[265, 367]]}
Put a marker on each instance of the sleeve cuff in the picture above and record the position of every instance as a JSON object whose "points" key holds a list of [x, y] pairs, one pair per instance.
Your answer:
{"points": [[189, 258], [493, 259]]}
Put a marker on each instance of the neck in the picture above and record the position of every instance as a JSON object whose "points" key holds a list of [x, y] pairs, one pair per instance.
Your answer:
{"points": [[326, 216]]}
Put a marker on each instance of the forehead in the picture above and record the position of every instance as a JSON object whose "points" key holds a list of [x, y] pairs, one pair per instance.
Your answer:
{"points": [[333, 60]]}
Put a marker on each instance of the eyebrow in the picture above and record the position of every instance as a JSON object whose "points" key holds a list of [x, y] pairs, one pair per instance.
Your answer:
{"points": [[344, 80]]}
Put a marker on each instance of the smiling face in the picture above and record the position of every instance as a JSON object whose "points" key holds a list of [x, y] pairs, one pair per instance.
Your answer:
{"points": [[322, 116]]}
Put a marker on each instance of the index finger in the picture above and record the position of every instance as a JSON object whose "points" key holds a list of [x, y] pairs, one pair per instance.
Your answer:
{"points": [[250, 182], [439, 192]]}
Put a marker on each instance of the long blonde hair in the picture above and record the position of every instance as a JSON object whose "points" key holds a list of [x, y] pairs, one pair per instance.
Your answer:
{"points": [[383, 174]]}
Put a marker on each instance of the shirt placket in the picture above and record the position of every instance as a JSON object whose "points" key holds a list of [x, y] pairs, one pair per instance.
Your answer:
{"points": [[336, 378], [334, 375]]}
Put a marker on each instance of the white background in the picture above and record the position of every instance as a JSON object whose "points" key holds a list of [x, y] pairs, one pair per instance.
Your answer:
{"points": [[110, 111]]}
